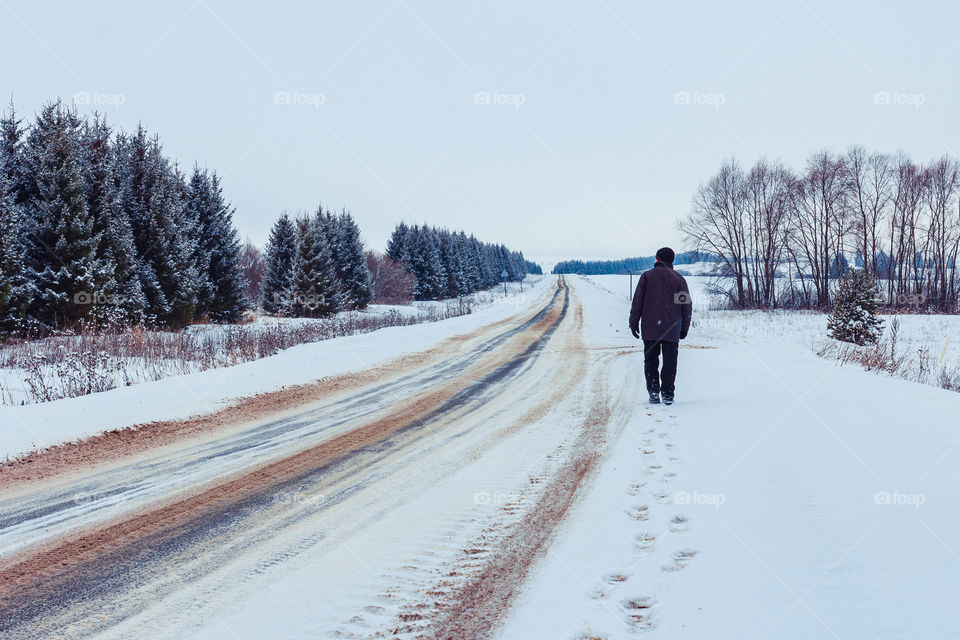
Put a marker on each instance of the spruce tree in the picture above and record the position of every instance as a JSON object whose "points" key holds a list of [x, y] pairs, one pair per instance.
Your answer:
{"points": [[15, 288], [217, 250], [280, 254], [351, 263], [455, 284], [314, 281], [164, 232], [104, 184], [398, 247], [62, 252], [854, 316], [11, 259]]}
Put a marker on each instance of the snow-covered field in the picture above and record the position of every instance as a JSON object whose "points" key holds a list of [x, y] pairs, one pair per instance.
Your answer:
{"points": [[783, 496], [933, 340]]}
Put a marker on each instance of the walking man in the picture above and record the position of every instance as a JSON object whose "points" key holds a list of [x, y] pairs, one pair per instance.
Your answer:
{"points": [[661, 314]]}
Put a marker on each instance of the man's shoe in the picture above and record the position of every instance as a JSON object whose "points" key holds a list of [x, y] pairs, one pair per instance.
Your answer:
{"points": [[654, 397], [667, 399]]}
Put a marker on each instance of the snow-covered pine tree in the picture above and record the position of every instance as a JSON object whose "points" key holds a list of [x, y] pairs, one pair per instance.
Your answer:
{"points": [[104, 182], [217, 250], [351, 262], [471, 271], [15, 288], [226, 271], [11, 259], [325, 223], [489, 264], [200, 210], [314, 281], [398, 247], [62, 251], [455, 284], [437, 270], [854, 316], [280, 254], [164, 231]]}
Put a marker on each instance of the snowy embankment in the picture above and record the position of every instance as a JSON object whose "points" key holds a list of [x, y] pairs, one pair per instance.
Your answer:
{"points": [[70, 366], [27, 427], [781, 497]]}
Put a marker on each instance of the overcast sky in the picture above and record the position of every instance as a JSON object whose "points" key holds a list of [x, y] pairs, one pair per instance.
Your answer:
{"points": [[562, 128]]}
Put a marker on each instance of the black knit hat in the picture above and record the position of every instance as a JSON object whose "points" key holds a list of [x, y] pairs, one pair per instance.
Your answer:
{"points": [[666, 255]]}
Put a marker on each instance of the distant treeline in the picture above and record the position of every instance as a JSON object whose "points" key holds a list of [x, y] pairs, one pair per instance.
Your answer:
{"points": [[784, 235], [447, 264], [607, 267]]}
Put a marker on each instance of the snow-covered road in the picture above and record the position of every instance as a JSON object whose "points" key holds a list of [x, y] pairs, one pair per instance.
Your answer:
{"points": [[510, 481]]}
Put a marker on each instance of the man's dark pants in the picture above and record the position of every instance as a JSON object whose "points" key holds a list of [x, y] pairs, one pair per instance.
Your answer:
{"points": [[660, 380]]}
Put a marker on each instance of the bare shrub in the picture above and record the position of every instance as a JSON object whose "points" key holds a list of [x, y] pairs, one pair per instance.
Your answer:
{"points": [[68, 366], [392, 283]]}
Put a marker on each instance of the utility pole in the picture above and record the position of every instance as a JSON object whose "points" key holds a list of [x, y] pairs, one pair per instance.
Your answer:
{"points": [[630, 292], [503, 276]]}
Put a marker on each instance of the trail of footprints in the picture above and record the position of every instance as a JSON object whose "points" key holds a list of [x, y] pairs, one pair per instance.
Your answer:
{"points": [[638, 610]]}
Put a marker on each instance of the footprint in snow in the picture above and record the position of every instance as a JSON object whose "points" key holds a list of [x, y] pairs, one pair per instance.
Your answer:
{"points": [[679, 523], [616, 577], [634, 488], [641, 513], [639, 613], [681, 559], [645, 542]]}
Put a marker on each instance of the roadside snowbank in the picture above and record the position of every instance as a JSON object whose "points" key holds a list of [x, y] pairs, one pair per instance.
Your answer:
{"points": [[24, 428]]}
